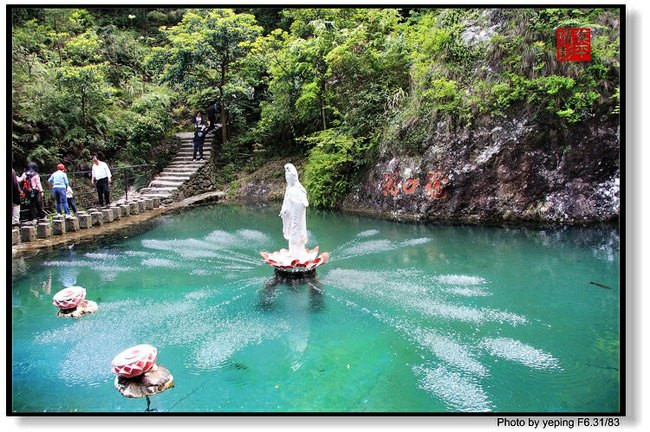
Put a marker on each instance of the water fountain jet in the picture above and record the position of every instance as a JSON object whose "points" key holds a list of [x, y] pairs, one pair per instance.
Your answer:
{"points": [[297, 261]]}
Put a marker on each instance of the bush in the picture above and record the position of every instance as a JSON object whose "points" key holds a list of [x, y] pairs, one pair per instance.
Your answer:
{"points": [[334, 163]]}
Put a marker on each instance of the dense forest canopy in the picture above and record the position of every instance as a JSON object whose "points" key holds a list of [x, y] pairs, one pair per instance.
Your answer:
{"points": [[335, 85]]}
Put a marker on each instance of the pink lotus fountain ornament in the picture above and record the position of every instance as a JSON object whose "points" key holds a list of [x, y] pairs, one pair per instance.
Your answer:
{"points": [[297, 261], [134, 361], [138, 376], [69, 298], [72, 302]]}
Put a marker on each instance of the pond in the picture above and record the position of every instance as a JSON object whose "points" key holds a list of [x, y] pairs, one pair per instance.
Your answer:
{"points": [[404, 318]]}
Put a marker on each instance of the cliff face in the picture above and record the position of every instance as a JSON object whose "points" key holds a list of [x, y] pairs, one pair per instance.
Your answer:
{"points": [[552, 155], [512, 170], [492, 126]]}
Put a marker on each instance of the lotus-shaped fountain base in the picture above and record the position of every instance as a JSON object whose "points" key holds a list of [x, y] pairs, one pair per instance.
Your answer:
{"points": [[287, 265], [156, 380], [84, 307]]}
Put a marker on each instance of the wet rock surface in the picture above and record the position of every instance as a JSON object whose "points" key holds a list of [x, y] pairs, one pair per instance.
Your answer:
{"points": [[503, 171]]}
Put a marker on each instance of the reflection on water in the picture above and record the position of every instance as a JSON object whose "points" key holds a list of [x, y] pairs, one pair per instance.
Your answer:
{"points": [[271, 291], [405, 317]]}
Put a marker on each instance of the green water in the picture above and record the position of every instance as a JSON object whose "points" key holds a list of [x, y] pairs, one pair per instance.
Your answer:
{"points": [[405, 317]]}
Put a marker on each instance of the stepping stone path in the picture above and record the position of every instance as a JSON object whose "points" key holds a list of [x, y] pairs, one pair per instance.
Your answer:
{"points": [[160, 190], [180, 169]]}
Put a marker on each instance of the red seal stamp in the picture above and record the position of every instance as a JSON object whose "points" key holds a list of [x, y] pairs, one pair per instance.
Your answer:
{"points": [[573, 44]]}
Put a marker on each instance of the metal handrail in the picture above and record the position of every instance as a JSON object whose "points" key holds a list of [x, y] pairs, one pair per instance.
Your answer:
{"points": [[85, 196]]}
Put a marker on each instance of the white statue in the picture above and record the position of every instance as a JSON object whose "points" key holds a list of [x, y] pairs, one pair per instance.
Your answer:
{"points": [[297, 260], [294, 213]]}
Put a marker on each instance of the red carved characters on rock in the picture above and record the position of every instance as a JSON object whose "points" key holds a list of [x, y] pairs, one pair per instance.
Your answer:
{"points": [[410, 185], [391, 184], [435, 188]]}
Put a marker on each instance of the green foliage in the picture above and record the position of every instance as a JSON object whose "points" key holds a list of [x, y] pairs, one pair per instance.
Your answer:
{"points": [[334, 163], [205, 52], [332, 84], [79, 86]]}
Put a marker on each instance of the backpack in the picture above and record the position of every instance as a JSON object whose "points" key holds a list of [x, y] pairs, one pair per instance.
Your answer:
{"points": [[27, 184]]}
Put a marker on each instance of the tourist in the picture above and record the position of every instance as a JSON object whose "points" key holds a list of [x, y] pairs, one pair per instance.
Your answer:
{"points": [[212, 116], [59, 182], [101, 178], [199, 139], [198, 120], [16, 193], [33, 190], [70, 198]]}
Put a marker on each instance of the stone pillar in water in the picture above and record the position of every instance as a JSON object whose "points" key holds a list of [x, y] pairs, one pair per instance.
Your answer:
{"points": [[107, 215], [58, 226], [142, 206], [43, 230], [124, 210], [85, 220], [71, 224], [134, 208], [15, 236], [28, 233], [97, 218], [149, 203], [116, 212], [156, 202]]}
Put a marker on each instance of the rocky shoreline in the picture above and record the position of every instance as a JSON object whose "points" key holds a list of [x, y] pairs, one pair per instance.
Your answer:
{"points": [[501, 172]]}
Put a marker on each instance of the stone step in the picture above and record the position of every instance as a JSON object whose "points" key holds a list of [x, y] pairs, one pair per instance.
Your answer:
{"points": [[182, 161], [191, 144], [191, 140], [177, 168], [186, 158], [160, 195], [191, 152], [184, 167], [158, 189], [187, 164], [173, 177], [191, 148], [177, 172], [165, 183]]}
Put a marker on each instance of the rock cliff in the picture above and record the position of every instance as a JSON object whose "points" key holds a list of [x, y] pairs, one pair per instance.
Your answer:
{"points": [[503, 170]]}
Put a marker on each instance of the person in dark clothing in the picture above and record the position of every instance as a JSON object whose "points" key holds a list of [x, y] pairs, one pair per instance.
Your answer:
{"points": [[213, 111], [33, 191], [199, 139], [16, 193]]}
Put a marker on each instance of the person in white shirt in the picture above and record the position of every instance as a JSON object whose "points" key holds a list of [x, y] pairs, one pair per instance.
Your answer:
{"points": [[101, 178]]}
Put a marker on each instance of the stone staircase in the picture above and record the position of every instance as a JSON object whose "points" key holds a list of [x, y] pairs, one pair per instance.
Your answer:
{"points": [[180, 169]]}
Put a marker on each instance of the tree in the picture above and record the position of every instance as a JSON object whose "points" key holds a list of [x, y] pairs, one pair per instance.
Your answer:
{"points": [[205, 51]]}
